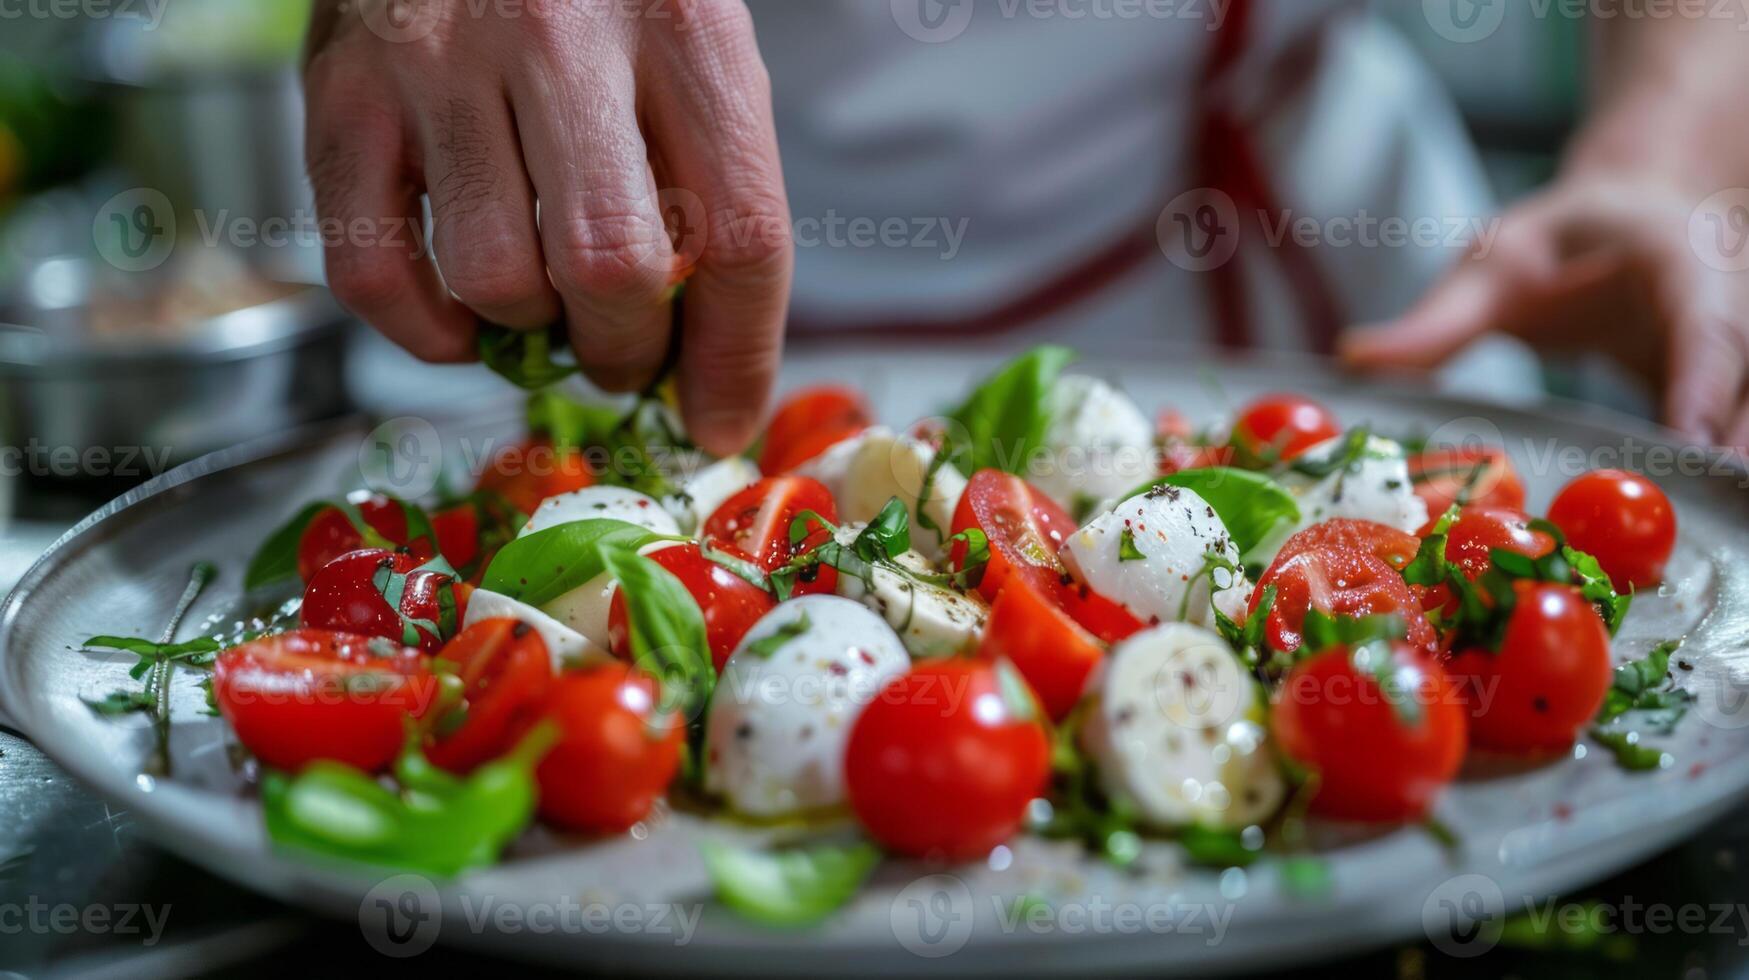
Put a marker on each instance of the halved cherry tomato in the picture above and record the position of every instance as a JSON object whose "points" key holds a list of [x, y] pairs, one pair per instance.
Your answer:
{"points": [[1026, 529], [296, 697], [530, 472], [346, 595], [1549, 678], [730, 603], [808, 423], [1396, 548], [617, 752], [754, 524], [944, 761], [1482, 475], [1050, 650], [504, 670], [331, 533], [1338, 582], [1282, 426], [1623, 520], [1381, 752]]}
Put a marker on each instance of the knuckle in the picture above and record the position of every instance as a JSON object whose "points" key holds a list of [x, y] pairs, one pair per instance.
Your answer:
{"points": [[618, 258], [750, 236], [499, 279], [364, 280]]}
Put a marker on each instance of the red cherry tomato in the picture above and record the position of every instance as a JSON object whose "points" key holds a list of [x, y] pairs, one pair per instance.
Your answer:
{"points": [[754, 524], [1623, 520], [1026, 529], [458, 534], [1396, 548], [297, 697], [730, 603], [1479, 530], [505, 670], [1440, 476], [1338, 582], [331, 533], [809, 422], [943, 762], [1050, 650], [1283, 426], [1381, 752], [345, 596], [1549, 678], [530, 472], [617, 751]]}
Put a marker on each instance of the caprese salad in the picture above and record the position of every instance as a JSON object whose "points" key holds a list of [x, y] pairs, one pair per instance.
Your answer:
{"points": [[1041, 612]]}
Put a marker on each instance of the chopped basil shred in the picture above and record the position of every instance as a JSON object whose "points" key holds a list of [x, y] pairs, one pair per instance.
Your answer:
{"points": [[1126, 547], [765, 646], [795, 887]]}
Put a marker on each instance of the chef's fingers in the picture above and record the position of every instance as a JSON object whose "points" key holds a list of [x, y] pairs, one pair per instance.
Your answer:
{"points": [[1708, 360], [483, 210], [712, 121], [600, 227], [372, 232]]}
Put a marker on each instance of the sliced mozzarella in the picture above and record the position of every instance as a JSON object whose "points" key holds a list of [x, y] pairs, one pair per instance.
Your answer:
{"points": [[1175, 532], [1098, 447], [565, 645], [586, 608], [779, 719], [1176, 730], [706, 490], [876, 465], [596, 503], [932, 620], [1375, 487]]}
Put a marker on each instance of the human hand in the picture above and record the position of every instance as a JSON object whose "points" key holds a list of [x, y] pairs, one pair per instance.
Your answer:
{"points": [[614, 117], [1602, 261]]}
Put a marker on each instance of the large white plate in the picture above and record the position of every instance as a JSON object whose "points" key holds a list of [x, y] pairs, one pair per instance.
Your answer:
{"points": [[1528, 831]]}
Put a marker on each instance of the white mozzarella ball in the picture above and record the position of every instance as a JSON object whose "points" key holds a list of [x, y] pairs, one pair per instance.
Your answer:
{"points": [[876, 465], [597, 503], [1151, 554], [780, 717], [932, 620], [1176, 731], [702, 493], [565, 645], [1099, 445]]}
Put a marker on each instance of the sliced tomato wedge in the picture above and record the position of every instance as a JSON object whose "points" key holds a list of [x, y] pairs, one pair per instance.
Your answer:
{"points": [[1026, 529], [1342, 583], [730, 603], [755, 523], [1482, 475], [808, 423], [309, 694], [1051, 651], [504, 670]]}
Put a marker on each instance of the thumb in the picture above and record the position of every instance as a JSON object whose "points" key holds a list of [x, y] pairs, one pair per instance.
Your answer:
{"points": [[1474, 299]]}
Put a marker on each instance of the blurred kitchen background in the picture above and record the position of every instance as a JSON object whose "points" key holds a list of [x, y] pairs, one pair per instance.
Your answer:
{"points": [[110, 337]]}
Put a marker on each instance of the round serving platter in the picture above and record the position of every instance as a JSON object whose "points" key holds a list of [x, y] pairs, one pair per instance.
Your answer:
{"points": [[642, 902]]}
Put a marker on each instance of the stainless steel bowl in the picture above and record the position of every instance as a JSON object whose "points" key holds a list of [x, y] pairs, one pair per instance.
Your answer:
{"points": [[115, 410]]}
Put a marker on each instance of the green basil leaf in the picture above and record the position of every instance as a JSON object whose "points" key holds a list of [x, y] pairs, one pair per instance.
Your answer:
{"points": [[122, 703], [525, 357], [888, 535], [1628, 752], [1251, 505], [277, 558], [1429, 566], [787, 888], [540, 567], [1322, 631], [569, 424], [765, 646], [1005, 417], [1217, 847], [1595, 586], [667, 628], [196, 652]]}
